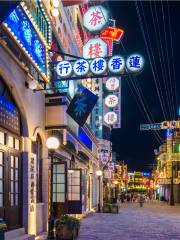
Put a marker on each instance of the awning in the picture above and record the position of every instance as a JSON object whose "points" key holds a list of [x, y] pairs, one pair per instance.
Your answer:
{"points": [[6, 7]]}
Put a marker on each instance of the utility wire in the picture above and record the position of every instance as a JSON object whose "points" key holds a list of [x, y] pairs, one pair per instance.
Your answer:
{"points": [[167, 53], [172, 54], [149, 56], [160, 53]]}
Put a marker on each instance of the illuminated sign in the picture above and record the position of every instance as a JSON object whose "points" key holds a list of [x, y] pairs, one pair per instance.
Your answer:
{"points": [[116, 64], [95, 48], [95, 19], [64, 69], [112, 33], [98, 66], [110, 118], [24, 33], [111, 101], [81, 67], [112, 84], [135, 63]]}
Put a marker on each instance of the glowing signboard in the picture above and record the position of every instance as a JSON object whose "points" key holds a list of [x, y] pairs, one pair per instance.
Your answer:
{"points": [[111, 101], [116, 64], [95, 19], [95, 48], [135, 63], [81, 67], [64, 69], [98, 66], [112, 84], [112, 33], [24, 33], [110, 118]]}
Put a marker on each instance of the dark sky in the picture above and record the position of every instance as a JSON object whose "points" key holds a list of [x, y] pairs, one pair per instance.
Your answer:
{"points": [[135, 147]]}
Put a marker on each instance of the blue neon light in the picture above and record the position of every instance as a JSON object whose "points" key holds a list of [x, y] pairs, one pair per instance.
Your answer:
{"points": [[7, 105], [83, 137], [23, 29]]}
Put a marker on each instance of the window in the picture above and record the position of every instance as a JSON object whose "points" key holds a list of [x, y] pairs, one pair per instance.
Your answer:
{"points": [[59, 187], [2, 138], [74, 185]]}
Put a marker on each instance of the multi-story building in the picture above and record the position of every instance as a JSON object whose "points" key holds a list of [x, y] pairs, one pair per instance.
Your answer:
{"points": [[168, 167], [32, 39]]}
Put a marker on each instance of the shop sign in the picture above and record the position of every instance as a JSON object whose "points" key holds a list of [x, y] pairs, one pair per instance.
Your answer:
{"points": [[64, 69], [95, 19], [111, 166], [26, 36], [116, 64], [111, 101], [32, 197], [98, 66], [103, 154], [112, 33], [135, 63], [112, 84], [81, 105], [95, 48], [110, 118], [81, 67]]}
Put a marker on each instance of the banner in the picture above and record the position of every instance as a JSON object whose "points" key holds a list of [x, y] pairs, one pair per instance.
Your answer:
{"points": [[81, 105]]}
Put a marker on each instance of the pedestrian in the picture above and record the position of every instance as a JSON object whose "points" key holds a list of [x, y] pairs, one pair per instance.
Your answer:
{"points": [[141, 200]]}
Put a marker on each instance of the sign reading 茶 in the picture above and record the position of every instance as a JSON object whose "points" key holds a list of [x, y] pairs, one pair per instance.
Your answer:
{"points": [[95, 19], [81, 105]]}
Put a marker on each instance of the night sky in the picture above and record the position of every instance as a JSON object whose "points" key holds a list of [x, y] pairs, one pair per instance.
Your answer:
{"points": [[134, 147]]}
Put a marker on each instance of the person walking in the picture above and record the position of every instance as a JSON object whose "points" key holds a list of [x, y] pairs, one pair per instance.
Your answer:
{"points": [[141, 200]]}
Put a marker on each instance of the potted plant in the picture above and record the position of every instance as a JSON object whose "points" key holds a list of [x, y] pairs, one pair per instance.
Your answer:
{"points": [[106, 208], [67, 228], [114, 208]]}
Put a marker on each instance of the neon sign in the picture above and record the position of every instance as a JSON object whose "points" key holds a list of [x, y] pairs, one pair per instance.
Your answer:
{"points": [[95, 19], [24, 33], [95, 48], [112, 33]]}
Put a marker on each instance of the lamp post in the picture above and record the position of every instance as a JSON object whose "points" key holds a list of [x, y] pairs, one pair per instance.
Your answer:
{"points": [[99, 174], [52, 144]]}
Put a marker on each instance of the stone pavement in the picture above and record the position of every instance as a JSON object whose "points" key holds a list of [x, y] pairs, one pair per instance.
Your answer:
{"points": [[154, 221]]}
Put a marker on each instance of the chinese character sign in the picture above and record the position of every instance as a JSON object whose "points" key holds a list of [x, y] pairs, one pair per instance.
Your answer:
{"points": [[81, 67], [81, 105], [111, 101], [95, 19], [98, 66], [112, 33], [112, 84], [135, 63], [64, 69], [95, 48], [116, 64], [110, 118]]}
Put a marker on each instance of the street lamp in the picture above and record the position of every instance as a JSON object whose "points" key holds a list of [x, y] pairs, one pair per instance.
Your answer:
{"points": [[99, 174], [52, 144]]}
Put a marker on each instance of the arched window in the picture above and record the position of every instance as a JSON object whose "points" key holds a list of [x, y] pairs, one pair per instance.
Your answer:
{"points": [[38, 151]]}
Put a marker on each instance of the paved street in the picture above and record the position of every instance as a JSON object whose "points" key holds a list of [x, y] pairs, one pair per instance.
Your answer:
{"points": [[153, 221]]}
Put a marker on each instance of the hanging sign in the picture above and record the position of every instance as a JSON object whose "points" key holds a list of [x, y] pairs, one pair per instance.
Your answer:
{"points": [[81, 105], [112, 84], [81, 67], [135, 63], [98, 66], [111, 101], [116, 64], [112, 33], [95, 19], [110, 118], [111, 166], [95, 48], [64, 69]]}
